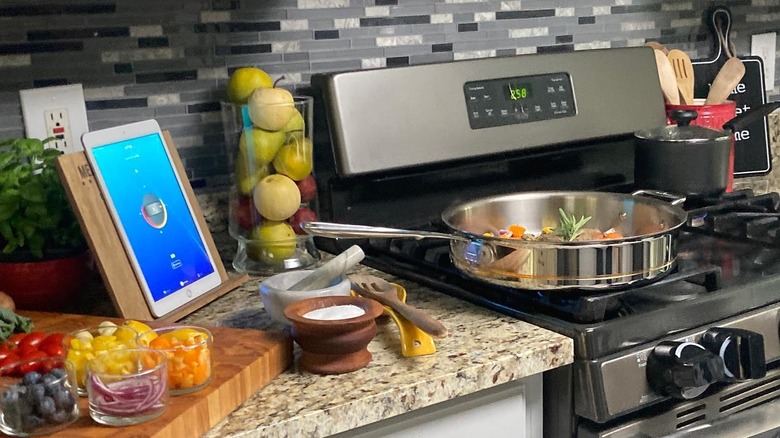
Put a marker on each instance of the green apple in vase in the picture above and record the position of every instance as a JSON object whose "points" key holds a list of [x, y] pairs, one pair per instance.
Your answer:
{"points": [[271, 108]]}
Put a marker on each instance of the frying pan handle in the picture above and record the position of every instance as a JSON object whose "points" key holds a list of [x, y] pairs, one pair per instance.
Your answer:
{"points": [[750, 116], [346, 231], [672, 198]]}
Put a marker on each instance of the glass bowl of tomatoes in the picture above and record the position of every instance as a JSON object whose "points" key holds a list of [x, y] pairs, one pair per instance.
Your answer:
{"points": [[188, 349], [37, 396]]}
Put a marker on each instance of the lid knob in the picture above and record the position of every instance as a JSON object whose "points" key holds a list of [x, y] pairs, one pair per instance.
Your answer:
{"points": [[683, 117]]}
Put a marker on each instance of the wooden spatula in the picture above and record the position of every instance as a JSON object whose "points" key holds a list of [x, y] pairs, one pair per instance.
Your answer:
{"points": [[657, 46], [667, 78], [683, 70], [727, 78]]}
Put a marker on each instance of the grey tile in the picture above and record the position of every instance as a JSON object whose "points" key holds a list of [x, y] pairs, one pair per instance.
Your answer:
{"points": [[128, 114], [347, 54]]}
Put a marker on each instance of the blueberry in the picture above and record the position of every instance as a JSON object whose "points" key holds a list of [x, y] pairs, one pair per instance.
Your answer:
{"points": [[59, 417], [37, 391], [9, 397], [58, 373], [31, 378], [31, 421], [51, 384], [64, 400], [46, 407]]}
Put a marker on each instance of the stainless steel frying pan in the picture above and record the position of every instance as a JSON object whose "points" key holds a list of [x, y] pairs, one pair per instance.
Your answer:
{"points": [[647, 250]]}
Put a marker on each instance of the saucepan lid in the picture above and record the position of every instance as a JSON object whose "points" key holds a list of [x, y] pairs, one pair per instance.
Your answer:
{"points": [[683, 132]]}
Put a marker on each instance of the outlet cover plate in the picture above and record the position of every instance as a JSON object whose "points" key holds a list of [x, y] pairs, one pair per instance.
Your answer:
{"points": [[64, 103]]}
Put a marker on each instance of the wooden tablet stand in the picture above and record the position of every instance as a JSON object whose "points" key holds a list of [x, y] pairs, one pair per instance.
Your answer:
{"points": [[103, 239]]}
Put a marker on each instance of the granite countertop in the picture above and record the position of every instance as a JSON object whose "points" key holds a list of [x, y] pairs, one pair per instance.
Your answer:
{"points": [[483, 349]]}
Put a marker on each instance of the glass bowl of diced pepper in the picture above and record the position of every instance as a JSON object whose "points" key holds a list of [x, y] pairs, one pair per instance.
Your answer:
{"points": [[87, 343], [188, 349]]}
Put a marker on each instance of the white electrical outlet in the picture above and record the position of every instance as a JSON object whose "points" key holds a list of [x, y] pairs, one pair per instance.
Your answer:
{"points": [[57, 112], [764, 45], [58, 126]]}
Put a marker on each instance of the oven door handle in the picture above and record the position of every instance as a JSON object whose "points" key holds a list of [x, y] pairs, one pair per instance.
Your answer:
{"points": [[751, 422]]}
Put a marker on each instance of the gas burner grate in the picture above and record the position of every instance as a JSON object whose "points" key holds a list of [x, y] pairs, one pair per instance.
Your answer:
{"points": [[738, 215]]}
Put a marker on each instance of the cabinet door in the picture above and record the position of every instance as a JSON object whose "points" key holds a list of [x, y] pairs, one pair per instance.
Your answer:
{"points": [[513, 410]]}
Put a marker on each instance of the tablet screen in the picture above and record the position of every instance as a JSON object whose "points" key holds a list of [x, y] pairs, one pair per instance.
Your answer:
{"points": [[154, 214]]}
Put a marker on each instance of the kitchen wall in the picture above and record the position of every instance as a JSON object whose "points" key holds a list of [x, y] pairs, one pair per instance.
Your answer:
{"points": [[170, 59]]}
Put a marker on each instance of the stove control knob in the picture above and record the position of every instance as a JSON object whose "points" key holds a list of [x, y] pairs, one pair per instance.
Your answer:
{"points": [[682, 369], [742, 352]]}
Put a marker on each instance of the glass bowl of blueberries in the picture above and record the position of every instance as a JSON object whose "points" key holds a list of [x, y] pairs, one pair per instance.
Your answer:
{"points": [[37, 396]]}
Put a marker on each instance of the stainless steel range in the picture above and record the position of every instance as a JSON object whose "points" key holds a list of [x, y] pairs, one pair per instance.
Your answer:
{"points": [[695, 350]]}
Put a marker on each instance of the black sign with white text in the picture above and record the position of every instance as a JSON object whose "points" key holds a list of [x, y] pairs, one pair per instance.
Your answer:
{"points": [[751, 148]]}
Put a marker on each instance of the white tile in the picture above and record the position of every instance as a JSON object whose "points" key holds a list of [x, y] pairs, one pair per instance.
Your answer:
{"points": [[214, 16], [525, 50], [529, 32], [405, 40], [104, 92], [15, 60], [378, 11], [637, 25], [513, 5], [474, 54], [346, 23], [294, 24], [286, 47], [163, 99], [213, 73], [322, 4], [564, 12], [441, 18], [485, 16], [602, 10], [593, 45], [146, 31], [373, 63]]}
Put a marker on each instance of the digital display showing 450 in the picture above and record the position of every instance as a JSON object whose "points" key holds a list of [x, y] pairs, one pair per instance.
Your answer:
{"points": [[519, 91]]}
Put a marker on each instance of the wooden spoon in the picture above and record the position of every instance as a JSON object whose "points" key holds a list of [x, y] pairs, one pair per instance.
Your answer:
{"points": [[683, 70], [658, 46], [373, 287], [667, 78], [727, 78]]}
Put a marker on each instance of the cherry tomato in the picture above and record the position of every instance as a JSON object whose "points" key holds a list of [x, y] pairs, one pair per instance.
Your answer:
{"points": [[32, 339], [15, 338], [9, 359], [26, 351], [29, 367], [51, 349], [52, 345], [5, 350]]}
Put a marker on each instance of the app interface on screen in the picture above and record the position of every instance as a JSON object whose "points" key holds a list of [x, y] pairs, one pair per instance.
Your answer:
{"points": [[153, 213]]}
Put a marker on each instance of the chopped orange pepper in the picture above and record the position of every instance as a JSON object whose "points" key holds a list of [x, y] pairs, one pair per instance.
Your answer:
{"points": [[517, 231]]}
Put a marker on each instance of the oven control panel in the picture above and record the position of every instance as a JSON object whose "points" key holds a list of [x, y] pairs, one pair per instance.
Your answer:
{"points": [[520, 99]]}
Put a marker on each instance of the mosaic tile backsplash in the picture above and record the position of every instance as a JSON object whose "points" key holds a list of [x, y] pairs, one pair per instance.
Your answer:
{"points": [[171, 59]]}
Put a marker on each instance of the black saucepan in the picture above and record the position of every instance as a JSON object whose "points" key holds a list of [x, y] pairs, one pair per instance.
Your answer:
{"points": [[689, 160]]}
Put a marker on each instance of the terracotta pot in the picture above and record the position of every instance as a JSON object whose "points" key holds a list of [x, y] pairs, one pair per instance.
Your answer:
{"points": [[47, 284], [333, 346]]}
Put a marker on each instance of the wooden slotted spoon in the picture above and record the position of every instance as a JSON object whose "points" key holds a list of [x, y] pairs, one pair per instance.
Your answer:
{"points": [[378, 289], [683, 70]]}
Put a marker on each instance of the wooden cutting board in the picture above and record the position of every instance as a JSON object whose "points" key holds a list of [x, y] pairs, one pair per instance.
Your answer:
{"points": [[243, 362]]}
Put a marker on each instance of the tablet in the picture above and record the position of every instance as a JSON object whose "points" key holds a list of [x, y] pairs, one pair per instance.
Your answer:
{"points": [[154, 218]]}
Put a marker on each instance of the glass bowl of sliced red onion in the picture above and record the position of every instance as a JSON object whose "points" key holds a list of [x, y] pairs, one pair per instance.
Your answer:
{"points": [[127, 387]]}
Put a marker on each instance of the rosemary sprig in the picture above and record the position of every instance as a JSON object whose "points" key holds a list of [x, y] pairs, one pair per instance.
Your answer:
{"points": [[570, 227]]}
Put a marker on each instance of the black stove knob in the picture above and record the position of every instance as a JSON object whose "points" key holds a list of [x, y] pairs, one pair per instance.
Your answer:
{"points": [[742, 352], [682, 369]]}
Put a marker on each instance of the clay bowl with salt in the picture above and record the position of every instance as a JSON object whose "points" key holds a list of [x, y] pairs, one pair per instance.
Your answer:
{"points": [[333, 332]]}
